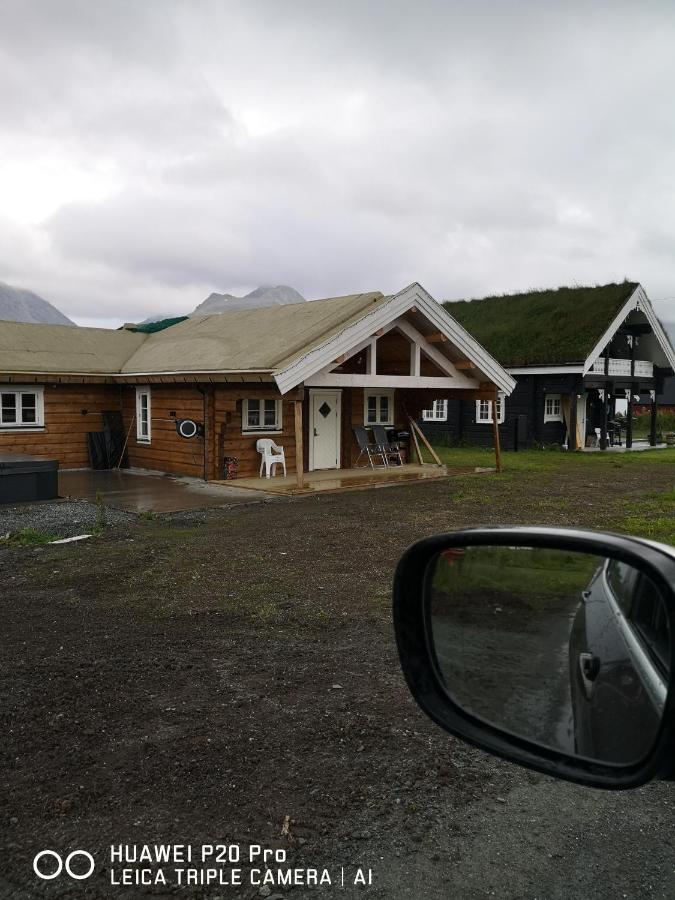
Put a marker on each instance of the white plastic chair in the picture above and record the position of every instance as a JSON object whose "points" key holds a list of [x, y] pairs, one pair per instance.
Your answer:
{"points": [[272, 455]]}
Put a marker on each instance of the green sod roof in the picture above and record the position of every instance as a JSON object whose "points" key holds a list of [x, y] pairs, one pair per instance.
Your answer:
{"points": [[542, 327]]}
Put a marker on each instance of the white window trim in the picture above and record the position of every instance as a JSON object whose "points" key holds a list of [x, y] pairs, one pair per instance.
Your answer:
{"points": [[553, 417], [277, 428], [437, 413], [501, 410], [379, 392], [39, 423], [140, 437]]}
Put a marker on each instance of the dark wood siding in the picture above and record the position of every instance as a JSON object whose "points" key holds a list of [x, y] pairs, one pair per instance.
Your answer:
{"points": [[527, 400]]}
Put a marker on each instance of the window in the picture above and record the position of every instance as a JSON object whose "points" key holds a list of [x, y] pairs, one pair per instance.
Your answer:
{"points": [[622, 579], [21, 407], [484, 410], [379, 408], [552, 408], [437, 413], [262, 414], [143, 415]]}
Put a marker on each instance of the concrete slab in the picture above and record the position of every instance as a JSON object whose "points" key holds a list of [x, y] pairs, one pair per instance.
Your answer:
{"points": [[147, 492]]}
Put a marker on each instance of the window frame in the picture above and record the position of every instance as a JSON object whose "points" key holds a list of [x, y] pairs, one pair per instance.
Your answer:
{"points": [[378, 394], [553, 417], [141, 436], [433, 415], [18, 390], [501, 410], [277, 428]]}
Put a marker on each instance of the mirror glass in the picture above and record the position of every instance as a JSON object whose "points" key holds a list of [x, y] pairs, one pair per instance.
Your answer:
{"points": [[569, 650]]}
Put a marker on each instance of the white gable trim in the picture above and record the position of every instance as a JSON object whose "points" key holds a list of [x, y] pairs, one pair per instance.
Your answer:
{"points": [[317, 359], [637, 300], [545, 370]]}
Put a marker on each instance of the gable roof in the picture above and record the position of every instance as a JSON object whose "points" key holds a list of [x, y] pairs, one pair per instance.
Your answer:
{"points": [[290, 342], [63, 349], [248, 340], [560, 326]]}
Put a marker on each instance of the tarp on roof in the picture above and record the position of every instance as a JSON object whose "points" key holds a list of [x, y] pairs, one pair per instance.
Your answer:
{"points": [[263, 339], [159, 325], [542, 327], [62, 349]]}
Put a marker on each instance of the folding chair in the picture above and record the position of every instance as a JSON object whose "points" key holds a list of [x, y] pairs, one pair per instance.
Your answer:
{"points": [[369, 449], [390, 450]]}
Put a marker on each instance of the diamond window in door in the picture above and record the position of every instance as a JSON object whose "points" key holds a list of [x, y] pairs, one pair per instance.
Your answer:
{"points": [[325, 410]]}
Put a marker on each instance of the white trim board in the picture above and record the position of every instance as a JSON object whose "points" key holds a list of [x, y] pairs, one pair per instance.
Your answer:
{"points": [[364, 328], [545, 370], [640, 301], [332, 379]]}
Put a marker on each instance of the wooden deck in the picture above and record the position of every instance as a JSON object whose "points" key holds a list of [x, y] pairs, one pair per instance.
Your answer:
{"points": [[347, 479]]}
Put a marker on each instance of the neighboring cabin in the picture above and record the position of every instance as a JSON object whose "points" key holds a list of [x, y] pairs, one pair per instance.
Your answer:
{"points": [[573, 352], [304, 374]]}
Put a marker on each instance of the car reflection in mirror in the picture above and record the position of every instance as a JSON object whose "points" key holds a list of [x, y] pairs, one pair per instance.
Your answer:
{"points": [[566, 649]]}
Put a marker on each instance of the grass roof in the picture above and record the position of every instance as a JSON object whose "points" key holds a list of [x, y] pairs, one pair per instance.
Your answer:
{"points": [[542, 327]]}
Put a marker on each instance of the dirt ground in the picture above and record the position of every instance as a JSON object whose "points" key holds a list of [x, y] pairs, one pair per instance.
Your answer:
{"points": [[199, 678]]}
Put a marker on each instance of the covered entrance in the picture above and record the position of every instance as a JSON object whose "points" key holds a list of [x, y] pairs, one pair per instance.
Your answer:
{"points": [[325, 408]]}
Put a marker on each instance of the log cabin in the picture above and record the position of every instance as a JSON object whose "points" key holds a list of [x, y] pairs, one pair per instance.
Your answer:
{"points": [[303, 374], [573, 352]]}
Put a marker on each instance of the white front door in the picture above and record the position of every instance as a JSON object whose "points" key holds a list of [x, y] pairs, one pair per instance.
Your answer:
{"points": [[324, 430]]}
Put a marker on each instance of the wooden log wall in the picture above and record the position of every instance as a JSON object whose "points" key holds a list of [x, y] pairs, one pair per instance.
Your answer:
{"points": [[167, 450], [71, 410], [228, 426]]}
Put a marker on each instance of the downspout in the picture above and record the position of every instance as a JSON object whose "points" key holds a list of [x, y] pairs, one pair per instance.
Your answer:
{"points": [[206, 429]]}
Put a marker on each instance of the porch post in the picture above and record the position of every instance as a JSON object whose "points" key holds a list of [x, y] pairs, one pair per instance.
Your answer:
{"points": [[299, 465], [652, 420], [629, 419], [603, 426], [572, 434], [495, 431]]}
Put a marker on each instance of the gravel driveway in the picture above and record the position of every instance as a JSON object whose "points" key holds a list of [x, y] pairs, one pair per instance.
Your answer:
{"points": [[235, 679]]}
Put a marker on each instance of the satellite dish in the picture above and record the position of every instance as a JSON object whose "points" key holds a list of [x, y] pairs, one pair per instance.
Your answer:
{"points": [[188, 428]]}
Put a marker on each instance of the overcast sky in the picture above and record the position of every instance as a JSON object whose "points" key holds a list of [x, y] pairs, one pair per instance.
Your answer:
{"points": [[154, 151]]}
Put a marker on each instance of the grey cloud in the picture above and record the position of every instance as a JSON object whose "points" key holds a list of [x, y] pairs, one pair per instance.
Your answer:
{"points": [[335, 147]]}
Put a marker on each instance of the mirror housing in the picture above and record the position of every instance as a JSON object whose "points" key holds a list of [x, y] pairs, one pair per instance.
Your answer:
{"points": [[412, 624]]}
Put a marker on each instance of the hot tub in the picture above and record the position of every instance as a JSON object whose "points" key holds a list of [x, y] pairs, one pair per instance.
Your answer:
{"points": [[24, 478]]}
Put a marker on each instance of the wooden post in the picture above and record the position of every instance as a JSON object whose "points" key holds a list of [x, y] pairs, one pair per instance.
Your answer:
{"points": [[299, 467], [603, 424], [415, 428], [495, 430], [652, 420], [416, 442], [572, 434], [629, 419]]}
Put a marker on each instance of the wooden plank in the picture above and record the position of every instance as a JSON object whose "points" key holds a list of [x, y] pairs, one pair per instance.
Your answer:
{"points": [[431, 450], [464, 365], [416, 442], [437, 338]]}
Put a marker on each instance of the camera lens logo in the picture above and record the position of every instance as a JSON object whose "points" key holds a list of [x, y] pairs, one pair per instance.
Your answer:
{"points": [[45, 870]]}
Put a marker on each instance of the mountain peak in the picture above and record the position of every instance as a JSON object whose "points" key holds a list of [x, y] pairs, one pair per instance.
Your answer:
{"points": [[263, 296], [19, 305]]}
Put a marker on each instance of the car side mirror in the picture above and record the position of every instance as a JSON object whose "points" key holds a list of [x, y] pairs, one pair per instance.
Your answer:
{"points": [[553, 648]]}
